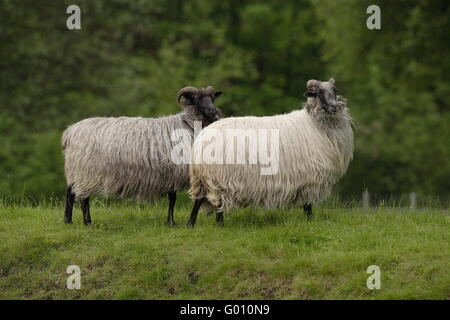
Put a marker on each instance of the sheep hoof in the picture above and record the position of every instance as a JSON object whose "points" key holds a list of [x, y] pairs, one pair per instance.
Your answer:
{"points": [[219, 219], [171, 224]]}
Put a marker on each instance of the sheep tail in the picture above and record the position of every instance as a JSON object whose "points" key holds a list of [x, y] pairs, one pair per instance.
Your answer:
{"points": [[198, 191]]}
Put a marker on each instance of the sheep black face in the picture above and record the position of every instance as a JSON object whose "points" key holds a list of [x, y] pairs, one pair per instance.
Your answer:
{"points": [[203, 102], [324, 93]]}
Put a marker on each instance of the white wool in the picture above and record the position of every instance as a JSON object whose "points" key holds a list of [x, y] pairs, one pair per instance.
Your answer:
{"points": [[315, 151]]}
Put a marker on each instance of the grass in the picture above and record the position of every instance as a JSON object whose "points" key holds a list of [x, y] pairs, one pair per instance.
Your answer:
{"points": [[128, 253]]}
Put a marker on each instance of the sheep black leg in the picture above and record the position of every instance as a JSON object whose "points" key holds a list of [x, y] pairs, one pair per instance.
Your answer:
{"points": [[172, 199], [70, 198], [195, 208], [308, 210], [219, 218], [86, 211]]}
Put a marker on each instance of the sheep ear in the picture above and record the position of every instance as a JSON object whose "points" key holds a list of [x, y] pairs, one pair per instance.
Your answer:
{"points": [[217, 94]]}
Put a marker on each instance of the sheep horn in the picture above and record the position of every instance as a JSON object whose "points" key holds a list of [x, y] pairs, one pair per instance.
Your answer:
{"points": [[313, 83], [184, 91]]}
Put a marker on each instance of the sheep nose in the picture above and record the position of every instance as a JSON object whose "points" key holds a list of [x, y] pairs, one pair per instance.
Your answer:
{"points": [[332, 107], [213, 112]]}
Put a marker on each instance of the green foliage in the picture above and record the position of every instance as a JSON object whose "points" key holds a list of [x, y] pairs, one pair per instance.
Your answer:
{"points": [[131, 57], [128, 253], [398, 85]]}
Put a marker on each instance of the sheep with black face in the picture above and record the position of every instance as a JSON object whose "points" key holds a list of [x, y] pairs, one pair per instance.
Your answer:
{"points": [[131, 157], [315, 149]]}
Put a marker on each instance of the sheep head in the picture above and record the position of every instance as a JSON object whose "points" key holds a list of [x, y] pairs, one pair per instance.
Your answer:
{"points": [[200, 103], [324, 93]]}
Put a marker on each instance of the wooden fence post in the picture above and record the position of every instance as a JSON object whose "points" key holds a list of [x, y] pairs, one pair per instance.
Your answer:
{"points": [[412, 200], [366, 200]]}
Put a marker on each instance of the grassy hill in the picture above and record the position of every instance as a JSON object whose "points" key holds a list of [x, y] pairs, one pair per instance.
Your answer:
{"points": [[128, 253]]}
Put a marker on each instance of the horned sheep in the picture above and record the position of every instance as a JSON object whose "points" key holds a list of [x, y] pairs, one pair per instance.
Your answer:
{"points": [[131, 157], [315, 149]]}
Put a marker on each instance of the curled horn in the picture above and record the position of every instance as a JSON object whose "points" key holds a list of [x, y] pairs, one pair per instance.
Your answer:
{"points": [[184, 91], [312, 83]]}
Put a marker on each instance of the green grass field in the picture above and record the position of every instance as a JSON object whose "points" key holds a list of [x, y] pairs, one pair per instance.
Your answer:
{"points": [[128, 253]]}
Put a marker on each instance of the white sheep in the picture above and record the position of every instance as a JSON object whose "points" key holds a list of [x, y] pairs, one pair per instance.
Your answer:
{"points": [[315, 149]]}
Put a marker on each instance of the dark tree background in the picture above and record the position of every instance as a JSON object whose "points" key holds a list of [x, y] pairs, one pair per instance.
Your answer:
{"points": [[131, 57]]}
